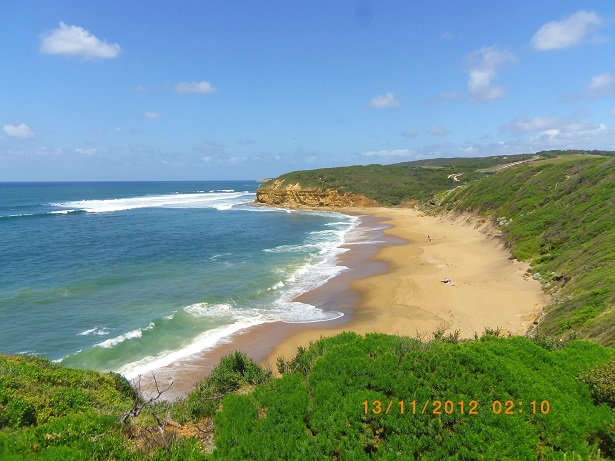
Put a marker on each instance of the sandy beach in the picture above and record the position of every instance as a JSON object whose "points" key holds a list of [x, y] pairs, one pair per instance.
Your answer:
{"points": [[396, 287], [486, 288]]}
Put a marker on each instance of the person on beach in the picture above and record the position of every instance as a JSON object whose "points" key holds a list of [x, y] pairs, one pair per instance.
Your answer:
{"points": [[429, 237]]}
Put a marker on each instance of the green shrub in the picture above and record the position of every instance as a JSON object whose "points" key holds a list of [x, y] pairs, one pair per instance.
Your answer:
{"points": [[330, 410], [601, 382], [233, 371]]}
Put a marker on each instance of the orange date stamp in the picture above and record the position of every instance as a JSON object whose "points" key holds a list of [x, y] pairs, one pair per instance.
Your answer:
{"points": [[449, 407]]}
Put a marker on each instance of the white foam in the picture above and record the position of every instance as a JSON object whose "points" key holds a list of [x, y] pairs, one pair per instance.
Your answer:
{"points": [[291, 248], [277, 285], [219, 200], [62, 211], [137, 333], [202, 342], [99, 331], [209, 310], [322, 249]]}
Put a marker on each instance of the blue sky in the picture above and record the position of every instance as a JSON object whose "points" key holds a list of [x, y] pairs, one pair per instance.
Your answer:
{"points": [[116, 90]]}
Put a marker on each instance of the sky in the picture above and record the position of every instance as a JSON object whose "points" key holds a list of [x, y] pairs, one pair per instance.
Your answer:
{"points": [[204, 90]]}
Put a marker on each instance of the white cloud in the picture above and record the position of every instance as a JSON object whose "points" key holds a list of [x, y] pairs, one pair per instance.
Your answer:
{"points": [[149, 114], [482, 65], [77, 42], [144, 89], [574, 135], [194, 87], [409, 133], [543, 133], [21, 131], [447, 36], [522, 125], [567, 32], [237, 160], [386, 101], [601, 85], [89, 152], [438, 131], [389, 153]]}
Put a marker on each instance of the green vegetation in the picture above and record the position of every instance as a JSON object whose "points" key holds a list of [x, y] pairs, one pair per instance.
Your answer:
{"points": [[338, 399], [328, 408], [413, 182], [554, 208], [234, 372], [561, 217], [387, 184], [51, 412], [551, 397]]}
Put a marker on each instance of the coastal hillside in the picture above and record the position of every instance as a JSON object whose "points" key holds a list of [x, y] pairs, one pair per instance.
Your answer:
{"points": [[347, 397], [554, 209], [390, 185], [561, 217]]}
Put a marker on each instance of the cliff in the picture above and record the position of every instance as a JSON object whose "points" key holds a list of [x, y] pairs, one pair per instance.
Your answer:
{"points": [[278, 193]]}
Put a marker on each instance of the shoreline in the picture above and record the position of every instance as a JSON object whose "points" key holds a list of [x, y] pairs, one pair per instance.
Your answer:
{"points": [[395, 287], [486, 288], [259, 341]]}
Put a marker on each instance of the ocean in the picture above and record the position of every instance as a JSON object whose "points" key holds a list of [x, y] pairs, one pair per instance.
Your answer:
{"points": [[133, 276]]}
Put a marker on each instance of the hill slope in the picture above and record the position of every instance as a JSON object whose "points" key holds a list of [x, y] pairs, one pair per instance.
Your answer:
{"points": [[346, 397], [561, 217], [391, 185]]}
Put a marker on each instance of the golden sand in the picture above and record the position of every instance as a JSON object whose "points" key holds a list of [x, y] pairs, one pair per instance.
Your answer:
{"points": [[486, 288]]}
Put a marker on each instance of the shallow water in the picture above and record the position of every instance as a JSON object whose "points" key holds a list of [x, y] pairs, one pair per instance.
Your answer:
{"points": [[132, 276]]}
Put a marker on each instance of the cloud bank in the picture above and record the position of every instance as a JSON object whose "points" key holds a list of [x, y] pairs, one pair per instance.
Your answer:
{"points": [[601, 85], [385, 101], [482, 70], [18, 131], [566, 33], [194, 87], [75, 41]]}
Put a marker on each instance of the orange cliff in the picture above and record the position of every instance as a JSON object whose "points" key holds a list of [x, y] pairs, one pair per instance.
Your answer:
{"points": [[277, 193]]}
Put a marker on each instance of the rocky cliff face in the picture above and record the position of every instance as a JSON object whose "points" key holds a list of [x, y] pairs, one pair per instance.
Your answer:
{"points": [[277, 193]]}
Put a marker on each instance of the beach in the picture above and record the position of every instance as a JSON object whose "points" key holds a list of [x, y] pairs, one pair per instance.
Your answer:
{"points": [[486, 288], [432, 273]]}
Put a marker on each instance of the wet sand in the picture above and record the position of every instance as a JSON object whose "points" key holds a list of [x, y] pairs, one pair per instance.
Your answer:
{"points": [[396, 287]]}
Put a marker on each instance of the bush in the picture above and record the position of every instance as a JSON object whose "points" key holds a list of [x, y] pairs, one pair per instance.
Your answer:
{"points": [[232, 372], [601, 382], [348, 404]]}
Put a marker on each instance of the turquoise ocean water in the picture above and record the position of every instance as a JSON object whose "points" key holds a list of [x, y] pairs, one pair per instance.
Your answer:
{"points": [[131, 276]]}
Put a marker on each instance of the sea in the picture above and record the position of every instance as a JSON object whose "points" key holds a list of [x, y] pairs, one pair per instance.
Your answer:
{"points": [[133, 276]]}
